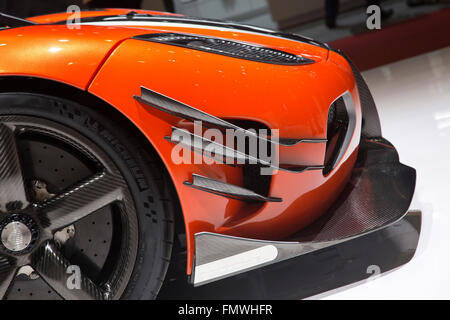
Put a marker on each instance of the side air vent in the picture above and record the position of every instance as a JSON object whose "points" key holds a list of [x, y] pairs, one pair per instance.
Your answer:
{"points": [[340, 127], [231, 155], [226, 47]]}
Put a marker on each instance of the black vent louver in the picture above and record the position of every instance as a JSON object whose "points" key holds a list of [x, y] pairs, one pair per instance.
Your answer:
{"points": [[337, 127], [226, 47]]}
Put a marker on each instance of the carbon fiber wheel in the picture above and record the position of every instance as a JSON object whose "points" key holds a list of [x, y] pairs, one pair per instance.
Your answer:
{"points": [[69, 223]]}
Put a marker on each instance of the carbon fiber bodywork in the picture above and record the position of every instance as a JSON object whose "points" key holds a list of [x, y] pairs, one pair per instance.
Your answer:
{"points": [[371, 126], [226, 154], [228, 190], [378, 194]]}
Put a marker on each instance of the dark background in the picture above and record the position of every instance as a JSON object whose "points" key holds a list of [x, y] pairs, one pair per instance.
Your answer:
{"points": [[29, 8]]}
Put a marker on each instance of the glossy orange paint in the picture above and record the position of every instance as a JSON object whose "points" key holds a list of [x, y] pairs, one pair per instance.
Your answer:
{"points": [[293, 99], [58, 53]]}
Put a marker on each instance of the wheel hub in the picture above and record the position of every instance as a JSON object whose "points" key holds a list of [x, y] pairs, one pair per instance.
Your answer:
{"points": [[18, 233], [63, 202]]}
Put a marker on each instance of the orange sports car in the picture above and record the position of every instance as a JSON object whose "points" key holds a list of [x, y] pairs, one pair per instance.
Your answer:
{"points": [[123, 132]]}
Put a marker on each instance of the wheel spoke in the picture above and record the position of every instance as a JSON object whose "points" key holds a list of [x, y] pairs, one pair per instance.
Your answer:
{"points": [[12, 187], [63, 277], [8, 270], [82, 200]]}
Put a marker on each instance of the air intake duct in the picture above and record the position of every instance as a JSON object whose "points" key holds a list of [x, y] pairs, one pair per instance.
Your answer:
{"points": [[235, 49], [340, 127]]}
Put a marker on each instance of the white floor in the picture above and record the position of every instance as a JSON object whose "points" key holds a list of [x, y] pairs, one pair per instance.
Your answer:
{"points": [[413, 99]]}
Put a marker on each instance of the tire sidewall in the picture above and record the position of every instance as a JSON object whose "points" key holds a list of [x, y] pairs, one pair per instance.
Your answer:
{"points": [[150, 265]]}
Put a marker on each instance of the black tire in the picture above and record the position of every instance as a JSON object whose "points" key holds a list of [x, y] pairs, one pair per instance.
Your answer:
{"points": [[147, 179]]}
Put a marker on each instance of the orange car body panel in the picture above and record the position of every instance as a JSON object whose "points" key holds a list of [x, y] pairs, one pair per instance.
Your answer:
{"points": [[293, 99], [58, 53]]}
